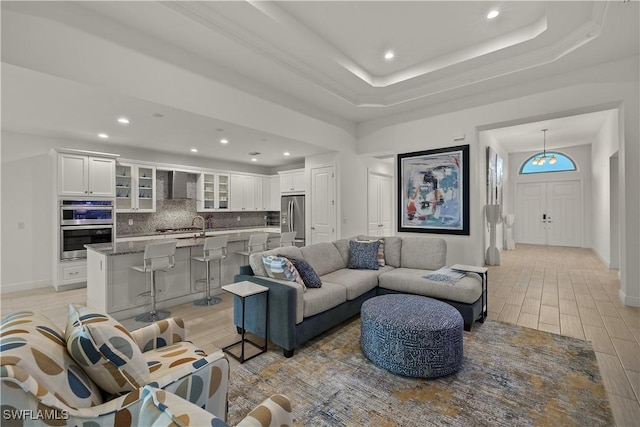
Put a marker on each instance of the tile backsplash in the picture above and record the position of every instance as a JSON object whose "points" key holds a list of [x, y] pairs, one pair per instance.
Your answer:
{"points": [[174, 213]]}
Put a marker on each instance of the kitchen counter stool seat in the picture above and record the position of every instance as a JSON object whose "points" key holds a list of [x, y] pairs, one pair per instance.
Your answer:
{"points": [[257, 243], [287, 238], [215, 248], [157, 257]]}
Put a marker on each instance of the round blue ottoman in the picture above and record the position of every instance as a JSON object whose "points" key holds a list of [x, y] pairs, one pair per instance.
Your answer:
{"points": [[412, 335]]}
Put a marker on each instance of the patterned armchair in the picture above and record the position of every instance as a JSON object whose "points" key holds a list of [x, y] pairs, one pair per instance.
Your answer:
{"points": [[95, 375]]}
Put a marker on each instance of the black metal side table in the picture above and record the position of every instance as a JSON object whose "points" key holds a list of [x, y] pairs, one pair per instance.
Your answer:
{"points": [[245, 290], [484, 274]]}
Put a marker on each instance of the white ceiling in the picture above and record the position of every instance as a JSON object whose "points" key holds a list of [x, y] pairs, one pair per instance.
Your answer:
{"points": [[322, 58]]}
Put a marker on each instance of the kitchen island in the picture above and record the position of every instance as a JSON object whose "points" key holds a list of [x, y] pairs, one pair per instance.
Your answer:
{"points": [[113, 286]]}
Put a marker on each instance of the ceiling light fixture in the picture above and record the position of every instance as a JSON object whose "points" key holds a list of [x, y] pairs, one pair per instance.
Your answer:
{"points": [[194, 150], [389, 55], [493, 14], [103, 135], [286, 153], [123, 120], [253, 159], [542, 159], [157, 115], [224, 141]]}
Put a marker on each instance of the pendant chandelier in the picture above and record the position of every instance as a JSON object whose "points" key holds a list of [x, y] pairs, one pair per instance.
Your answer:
{"points": [[542, 159]]}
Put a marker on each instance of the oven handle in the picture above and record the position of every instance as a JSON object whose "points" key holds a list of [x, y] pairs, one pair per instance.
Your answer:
{"points": [[86, 208], [84, 227]]}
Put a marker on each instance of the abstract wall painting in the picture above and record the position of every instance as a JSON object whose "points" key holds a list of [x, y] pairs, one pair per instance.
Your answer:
{"points": [[433, 189]]}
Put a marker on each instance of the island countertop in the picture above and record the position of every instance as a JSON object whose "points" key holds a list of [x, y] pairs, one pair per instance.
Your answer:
{"points": [[137, 246]]}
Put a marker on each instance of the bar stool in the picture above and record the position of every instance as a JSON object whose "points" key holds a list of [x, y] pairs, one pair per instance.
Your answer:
{"points": [[257, 243], [157, 257], [287, 238], [215, 248]]}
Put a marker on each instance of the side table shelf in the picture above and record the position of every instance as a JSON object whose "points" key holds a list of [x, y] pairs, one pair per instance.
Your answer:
{"points": [[245, 290]]}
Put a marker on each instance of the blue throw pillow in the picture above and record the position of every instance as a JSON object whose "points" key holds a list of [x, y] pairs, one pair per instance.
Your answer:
{"points": [[364, 255], [307, 273]]}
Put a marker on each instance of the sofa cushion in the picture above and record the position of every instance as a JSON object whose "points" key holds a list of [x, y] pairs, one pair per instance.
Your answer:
{"points": [[318, 300], [255, 259], [278, 267], [36, 345], [307, 273], [364, 255], [343, 247], [381, 261], [323, 257], [105, 350], [427, 253], [357, 282], [392, 250], [410, 280]]}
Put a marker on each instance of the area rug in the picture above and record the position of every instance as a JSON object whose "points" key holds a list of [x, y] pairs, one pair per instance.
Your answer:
{"points": [[510, 376]]}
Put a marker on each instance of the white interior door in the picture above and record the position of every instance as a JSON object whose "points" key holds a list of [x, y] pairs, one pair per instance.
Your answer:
{"points": [[549, 213], [379, 205], [323, 207]]}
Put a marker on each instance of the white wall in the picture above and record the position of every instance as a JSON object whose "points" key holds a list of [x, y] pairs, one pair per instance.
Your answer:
{"points": [[609, 85], [603, 147], [581, 155]]}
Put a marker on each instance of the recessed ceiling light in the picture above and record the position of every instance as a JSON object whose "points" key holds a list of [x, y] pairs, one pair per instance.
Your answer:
{"points": [[253, 159], [493, 14], [103, 135], [286, 153], [123, 120], [224, 141], [389, 55], [194, 150]]}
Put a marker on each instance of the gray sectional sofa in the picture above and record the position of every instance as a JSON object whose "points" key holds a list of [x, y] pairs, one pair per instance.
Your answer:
{"points": [[296, 315]]}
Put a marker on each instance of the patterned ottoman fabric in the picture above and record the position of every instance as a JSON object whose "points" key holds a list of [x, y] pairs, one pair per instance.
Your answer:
{"points": [[412, 335]]}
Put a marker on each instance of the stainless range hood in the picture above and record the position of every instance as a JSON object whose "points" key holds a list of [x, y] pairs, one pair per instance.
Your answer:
{"points": [[177, 185]]}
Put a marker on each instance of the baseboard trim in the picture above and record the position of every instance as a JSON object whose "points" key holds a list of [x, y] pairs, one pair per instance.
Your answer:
{"points": [[601, 258], [627, 300], [25, 286]]}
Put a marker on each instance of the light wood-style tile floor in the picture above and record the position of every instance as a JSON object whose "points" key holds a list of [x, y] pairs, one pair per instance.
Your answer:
{"points": [[566, 291]]}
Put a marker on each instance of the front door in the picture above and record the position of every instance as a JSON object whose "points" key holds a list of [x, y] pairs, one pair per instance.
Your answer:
{"points": [[549, 213]]}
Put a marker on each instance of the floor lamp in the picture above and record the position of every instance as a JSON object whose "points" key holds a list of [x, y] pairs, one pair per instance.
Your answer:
{"points": [[493, 217]]}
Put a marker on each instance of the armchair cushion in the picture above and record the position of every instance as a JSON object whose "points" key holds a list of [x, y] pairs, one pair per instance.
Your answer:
{"points": [[106, 350], [34, 347]]}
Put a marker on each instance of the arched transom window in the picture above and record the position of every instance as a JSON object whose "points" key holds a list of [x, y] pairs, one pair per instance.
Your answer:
{"points": [[553, 162]]}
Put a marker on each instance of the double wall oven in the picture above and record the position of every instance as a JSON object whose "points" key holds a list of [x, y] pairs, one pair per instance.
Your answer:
{"points": [[84, 222]]}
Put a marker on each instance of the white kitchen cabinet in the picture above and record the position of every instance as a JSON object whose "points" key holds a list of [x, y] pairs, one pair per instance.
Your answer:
{"points": [[292, 181], [379, 208], [80, 175], [242, 193], [135, 188], [274, 193], [213, 192]]}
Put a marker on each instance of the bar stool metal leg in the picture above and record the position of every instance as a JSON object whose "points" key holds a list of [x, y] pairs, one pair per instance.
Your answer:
{"points": [[154, 315], [208, 299]]}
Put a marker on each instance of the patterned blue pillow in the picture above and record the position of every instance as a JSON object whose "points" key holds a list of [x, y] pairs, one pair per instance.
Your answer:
{"points": [[308, 274], [281, 268], [364, 255]]}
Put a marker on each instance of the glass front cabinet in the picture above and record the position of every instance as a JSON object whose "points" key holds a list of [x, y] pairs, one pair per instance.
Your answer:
{"points": [[135, 188], [213, 192]]}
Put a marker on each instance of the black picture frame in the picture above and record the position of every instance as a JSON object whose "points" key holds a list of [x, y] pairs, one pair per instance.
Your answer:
{"points": [[433, 191]]}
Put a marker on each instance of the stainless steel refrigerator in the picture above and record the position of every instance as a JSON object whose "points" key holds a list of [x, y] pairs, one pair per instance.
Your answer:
{"points": [[292, 216]]}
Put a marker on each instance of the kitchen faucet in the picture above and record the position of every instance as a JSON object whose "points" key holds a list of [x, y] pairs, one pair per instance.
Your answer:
{"points": [[203, 224]]}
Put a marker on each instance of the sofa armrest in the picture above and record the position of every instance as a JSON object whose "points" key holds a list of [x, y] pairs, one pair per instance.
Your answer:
{"points": [[282, 312], [159, 334], [204, 382], [275, 411]]}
